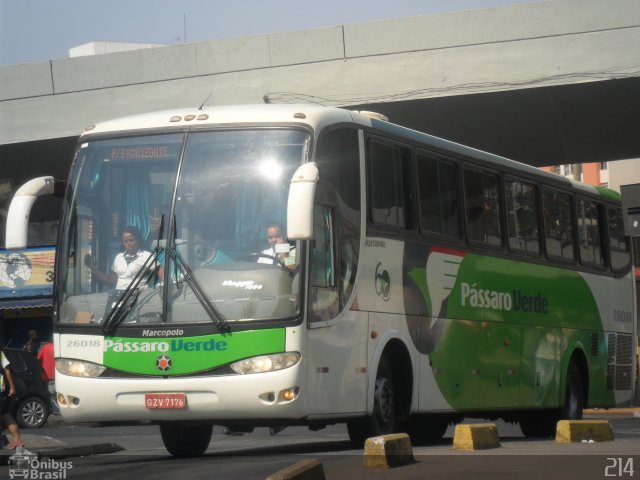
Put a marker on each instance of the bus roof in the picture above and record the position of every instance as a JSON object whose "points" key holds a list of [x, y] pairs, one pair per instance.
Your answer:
{"points": [[316, 117], [181, 118]]}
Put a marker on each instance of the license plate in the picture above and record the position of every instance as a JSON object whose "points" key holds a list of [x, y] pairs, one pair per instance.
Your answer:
{"points": [[165, 400]]}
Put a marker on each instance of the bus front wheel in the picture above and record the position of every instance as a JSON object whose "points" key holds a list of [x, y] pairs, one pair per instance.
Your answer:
{"points": [[186, 439], [383, 418]]}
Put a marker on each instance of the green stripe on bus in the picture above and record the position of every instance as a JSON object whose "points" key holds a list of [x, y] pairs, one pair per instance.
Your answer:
{"points": [[185, 355], [608, 193]]}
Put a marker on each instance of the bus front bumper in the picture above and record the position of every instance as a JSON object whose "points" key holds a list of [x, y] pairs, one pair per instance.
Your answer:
{"points": [[277, 395]]}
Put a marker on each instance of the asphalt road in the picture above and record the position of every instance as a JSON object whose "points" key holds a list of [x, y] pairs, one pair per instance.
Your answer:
{"points": [[257, 455]]}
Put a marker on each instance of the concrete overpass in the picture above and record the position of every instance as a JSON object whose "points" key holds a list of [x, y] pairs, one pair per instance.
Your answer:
{"points": [[552, 82]]}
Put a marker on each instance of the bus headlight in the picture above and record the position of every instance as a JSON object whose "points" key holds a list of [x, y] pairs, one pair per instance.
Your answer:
{"points": [[266, 363], [78, 368]]}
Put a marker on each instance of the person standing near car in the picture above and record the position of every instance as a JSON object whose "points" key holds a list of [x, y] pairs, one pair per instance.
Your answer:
{"points": [[33, 343], [46, 358], [5, 397]]}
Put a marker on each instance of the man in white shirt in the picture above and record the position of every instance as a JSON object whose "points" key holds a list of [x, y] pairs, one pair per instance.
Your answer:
{"points": [[126, 264], [278, 247]]}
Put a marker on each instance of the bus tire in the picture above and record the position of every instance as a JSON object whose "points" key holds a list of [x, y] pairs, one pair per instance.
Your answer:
{"points": [[186, 439], [383, 418], [573, 404]]}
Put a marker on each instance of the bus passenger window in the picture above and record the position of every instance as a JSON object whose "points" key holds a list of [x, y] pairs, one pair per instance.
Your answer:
{"points": [[522, 217], [483, 214], [386, 184], [589, 232], [558, 228], [620, 256], [438, 196]]}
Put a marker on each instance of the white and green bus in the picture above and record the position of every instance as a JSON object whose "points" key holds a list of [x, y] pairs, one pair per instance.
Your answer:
{"points": [[430, 281]]}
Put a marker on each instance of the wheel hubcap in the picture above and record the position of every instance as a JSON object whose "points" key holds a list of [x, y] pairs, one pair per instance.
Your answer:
{"points": [[33, 413]]}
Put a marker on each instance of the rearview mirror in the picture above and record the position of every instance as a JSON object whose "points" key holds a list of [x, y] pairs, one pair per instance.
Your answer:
{"points": [[20, 209], [300, 204]]}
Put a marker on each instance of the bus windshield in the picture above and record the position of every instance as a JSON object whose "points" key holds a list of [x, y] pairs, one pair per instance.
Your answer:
{"points": [[181, 228]]}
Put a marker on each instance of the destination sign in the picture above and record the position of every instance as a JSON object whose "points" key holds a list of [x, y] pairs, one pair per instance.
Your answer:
{"points": [[156, 151]]}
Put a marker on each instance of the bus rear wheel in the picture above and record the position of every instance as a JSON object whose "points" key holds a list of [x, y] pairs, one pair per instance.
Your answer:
{"points": [[383, 419], [574, 394], [186, 439]]}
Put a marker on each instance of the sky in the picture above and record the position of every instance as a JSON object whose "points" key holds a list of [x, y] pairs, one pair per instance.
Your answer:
{"points": [[40, 30]]}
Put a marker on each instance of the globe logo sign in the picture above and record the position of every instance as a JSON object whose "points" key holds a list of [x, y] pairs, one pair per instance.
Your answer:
{"points": [[15, 270]]}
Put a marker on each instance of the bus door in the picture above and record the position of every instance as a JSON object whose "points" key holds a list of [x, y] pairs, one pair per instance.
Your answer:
{"points": [[336, 350]]}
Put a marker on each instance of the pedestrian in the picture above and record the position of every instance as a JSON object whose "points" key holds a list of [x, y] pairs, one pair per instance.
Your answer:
{"points": [[33, 343], [6, 380], [46, 358]]}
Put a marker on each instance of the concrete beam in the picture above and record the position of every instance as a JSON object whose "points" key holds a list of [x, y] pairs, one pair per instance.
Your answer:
{"points": [[453, 56]]}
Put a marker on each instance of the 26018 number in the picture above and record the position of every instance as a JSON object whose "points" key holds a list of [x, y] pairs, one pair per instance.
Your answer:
{"points": [[82, 343]]}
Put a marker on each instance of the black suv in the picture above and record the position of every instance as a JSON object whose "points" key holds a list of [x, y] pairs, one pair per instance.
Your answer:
{"points": [[31, 406]]}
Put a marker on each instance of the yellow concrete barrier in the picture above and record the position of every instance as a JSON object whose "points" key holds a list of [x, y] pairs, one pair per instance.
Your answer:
{"points": [[310, 469], [568, 431], [388, 451], [479, 436]]}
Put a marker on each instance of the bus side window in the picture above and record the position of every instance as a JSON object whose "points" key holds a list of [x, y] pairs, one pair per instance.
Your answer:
{"points": [[438, 195], [522, 217], [558, 227], [387, 165], [482, 203], [323, 291], [589, 213], [620, 256]]}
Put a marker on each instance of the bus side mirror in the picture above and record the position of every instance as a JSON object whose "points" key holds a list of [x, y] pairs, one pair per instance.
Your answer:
{"points": [[300, 204], [20, 209]]}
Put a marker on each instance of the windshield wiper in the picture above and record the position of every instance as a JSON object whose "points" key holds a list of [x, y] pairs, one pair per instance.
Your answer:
{"points": [[129, 295], [214, 314]]}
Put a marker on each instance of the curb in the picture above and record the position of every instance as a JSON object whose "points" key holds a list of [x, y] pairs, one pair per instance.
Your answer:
{"points": [[633, 411], [64, 451], [569, 431], [388, 451], [479, 436], [310, 469]]}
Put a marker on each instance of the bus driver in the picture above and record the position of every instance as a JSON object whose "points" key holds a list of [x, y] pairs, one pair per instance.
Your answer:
{"points": [[278, 247]]}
